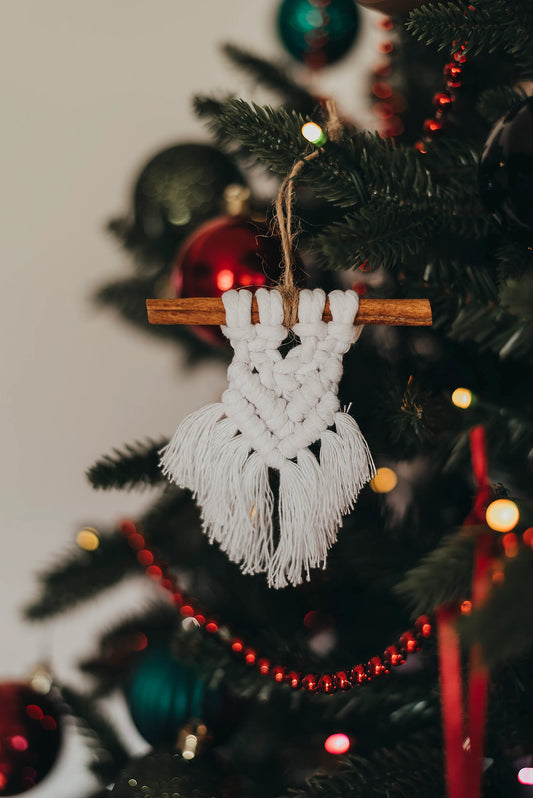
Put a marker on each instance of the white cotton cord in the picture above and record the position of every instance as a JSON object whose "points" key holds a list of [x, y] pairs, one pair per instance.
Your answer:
{"points": [[273, 410]]}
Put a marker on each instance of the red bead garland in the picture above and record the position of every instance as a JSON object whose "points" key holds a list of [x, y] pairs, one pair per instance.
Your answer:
{"points": [[389, 102], [443, 100], [326, 683]]}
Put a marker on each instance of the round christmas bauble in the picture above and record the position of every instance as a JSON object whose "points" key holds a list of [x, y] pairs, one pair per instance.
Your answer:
{"points": [[318, 33], [161, 774], [178, 189], [163, 694], [506, 170], [30, 737], [394, 8], [226, 252]]}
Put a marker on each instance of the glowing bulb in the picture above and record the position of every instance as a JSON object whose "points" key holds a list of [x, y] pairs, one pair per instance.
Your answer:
{"points": [[88, 539], [34, 712], [189, 748], [19, 743], [384, 481], [462, 398], [225, 279], [466, 607], [525, 775], [314, 133], [502, 515], [510, 544], [337, 744]]}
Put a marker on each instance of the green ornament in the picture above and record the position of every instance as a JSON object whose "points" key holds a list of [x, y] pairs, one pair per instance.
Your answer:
{"points": [[176, 190], [315, 33], [163, 694]]}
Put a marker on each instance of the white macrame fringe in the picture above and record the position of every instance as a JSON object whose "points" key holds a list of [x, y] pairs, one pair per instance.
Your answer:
{"points": [[228, 469]]}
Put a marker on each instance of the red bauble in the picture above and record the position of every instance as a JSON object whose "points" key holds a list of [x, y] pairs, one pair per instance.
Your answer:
{"points": [[226, 252], [30, 737]]}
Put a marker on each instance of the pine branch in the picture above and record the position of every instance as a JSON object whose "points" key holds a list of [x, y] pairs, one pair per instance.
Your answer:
{"points": [[80, 577], [120, 644], [272, 135], [380, 234], [128, 296], [515, 258], [491, 328], [108, 755], [503, 625], [498, 100], [516, 296], [136, 466], [272, 77], [489, 26], [83, 574], [443, 576], [413, 767]]}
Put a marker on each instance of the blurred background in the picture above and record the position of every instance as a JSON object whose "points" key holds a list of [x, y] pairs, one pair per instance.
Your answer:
{"points": [[90, 90]]}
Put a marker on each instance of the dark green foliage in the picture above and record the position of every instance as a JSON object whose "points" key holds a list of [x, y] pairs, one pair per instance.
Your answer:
{"points": [[374, 203], [487, 26], [108, 755], [273, 77], [378, 235], [496, 102], [413, 767], [80, 576], [503, 625], [83, 574], [443, 576], [516, 296], [128, 296], [136, 466], [272, 135]]}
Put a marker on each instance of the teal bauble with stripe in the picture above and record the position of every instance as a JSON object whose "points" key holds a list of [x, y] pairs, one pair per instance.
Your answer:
{"points": [[163, 694]]}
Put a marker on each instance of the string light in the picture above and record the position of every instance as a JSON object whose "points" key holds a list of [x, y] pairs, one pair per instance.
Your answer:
{"points": [[466, 607], [502, 515], [385, 480], [225, 279], [510, 544], [528, 536], [337, 744], [314, 133], [462, 398], [87, 539], [525, 775]]}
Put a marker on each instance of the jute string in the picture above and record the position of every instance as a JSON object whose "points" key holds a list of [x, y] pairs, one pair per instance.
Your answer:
{"points": [[283, 205]]}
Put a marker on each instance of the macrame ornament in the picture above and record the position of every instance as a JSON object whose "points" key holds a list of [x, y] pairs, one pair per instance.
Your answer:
{"points": [[278, 414], [273, 410]]}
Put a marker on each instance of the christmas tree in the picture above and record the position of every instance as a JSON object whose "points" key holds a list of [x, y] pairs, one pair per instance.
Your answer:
{"points": [[241, 688]]}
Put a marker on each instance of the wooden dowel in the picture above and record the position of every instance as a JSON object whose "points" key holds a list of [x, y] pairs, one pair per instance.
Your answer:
{"points": [[210, 310]]}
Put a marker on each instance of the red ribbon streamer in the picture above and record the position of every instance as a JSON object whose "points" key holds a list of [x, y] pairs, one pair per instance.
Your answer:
{"points": [[464, 736]]}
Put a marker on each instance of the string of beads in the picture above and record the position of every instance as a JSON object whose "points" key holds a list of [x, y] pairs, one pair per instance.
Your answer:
{"points": [[390, 104], [325, 683]]}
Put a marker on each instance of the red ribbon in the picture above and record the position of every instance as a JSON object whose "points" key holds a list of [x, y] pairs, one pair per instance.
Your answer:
{"points": [[464, 736]]}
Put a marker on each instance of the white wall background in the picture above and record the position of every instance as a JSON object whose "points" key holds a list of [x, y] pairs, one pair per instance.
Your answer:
{"points": [[89, 89]]}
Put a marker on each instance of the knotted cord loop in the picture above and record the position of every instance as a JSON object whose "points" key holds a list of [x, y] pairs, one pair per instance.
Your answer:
{"points": [[283, 206]]}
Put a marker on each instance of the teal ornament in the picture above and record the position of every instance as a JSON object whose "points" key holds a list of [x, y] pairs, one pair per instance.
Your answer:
{"points": [[163, 694], [318, 33]]}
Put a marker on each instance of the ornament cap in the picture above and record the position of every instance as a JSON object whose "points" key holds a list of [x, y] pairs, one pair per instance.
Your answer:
{"points": [[237, 200]]}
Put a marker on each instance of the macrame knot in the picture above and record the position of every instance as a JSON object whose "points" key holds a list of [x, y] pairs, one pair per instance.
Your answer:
{"points": [[273, 410]]}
